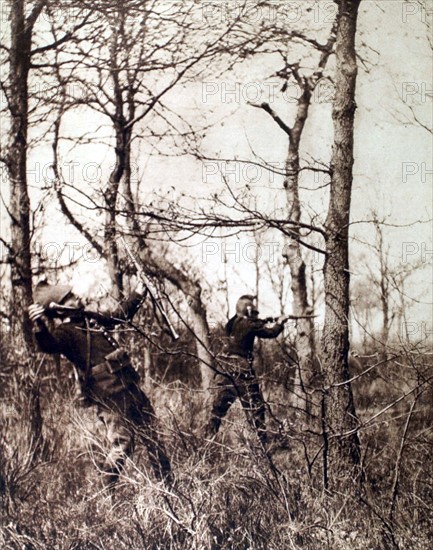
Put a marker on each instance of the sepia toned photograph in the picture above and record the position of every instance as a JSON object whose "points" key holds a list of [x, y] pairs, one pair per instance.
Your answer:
{"points": [[216, 253]]}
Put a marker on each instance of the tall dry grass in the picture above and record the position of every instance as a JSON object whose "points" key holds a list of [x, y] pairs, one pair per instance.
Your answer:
{"points": [[229, 493]]}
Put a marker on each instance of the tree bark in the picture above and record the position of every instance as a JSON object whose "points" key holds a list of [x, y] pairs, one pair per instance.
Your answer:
{"points": [[341, 442], [16, 162], [304, 339], [111, 253]]}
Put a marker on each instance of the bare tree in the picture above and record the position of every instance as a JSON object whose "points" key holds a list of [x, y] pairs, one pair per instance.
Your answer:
{"points": [[341, 441], [23, 54], [140, 56], [379, 287], [23, 16], [304, 340]]}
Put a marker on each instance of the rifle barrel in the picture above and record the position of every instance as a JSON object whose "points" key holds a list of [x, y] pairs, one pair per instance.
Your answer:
{"points": [[152, 290]]}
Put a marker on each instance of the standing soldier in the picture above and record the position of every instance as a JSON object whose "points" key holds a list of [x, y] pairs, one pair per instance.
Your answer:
{"points": [[236, 376], [107, 378]]}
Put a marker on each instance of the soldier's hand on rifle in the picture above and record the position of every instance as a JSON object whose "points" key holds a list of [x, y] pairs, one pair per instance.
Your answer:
{"points": [[282, 319], [35, 312]]}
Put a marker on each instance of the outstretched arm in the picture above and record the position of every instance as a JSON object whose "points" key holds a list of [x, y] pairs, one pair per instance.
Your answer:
{"points": [[126, 310], [263, 331]]}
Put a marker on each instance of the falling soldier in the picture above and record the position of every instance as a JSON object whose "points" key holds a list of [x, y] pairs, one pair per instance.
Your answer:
{"points": [[106, 376], [236, 377]]}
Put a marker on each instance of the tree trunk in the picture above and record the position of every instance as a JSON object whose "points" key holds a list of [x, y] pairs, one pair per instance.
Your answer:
{"points": [[111, 253], [305, 374], [304, 340], [341, 442], [191, 289], [157, 264], [122, 148], [16, 162]]}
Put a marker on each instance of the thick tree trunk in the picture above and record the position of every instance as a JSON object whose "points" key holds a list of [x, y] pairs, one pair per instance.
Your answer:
{"points": [[341, 442], [16, 161]]}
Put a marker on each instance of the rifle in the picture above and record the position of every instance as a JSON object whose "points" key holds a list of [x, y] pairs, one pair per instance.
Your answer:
{"points": [[287, 318], [152, 291]]}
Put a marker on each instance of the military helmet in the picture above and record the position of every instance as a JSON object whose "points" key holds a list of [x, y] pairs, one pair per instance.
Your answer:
{"points": [[246, 306], [45, 293]]}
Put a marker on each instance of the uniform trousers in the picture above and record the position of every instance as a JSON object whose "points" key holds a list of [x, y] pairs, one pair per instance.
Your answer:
{"points": [[236, 379], [128, 417]]}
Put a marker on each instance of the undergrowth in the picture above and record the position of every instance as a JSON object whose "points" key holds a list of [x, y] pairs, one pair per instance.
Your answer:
{"points": [[229, 493]]}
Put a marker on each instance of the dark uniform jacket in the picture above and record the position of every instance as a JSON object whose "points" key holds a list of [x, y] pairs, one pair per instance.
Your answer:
{"points": [[242, 331], [88, 343]]}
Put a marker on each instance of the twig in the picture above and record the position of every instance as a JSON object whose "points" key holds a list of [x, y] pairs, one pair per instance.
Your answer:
{"points": [[398, 461]]}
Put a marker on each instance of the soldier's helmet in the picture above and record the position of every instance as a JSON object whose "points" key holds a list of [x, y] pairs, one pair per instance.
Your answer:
{"points": [[246, 306], [45, 293]]}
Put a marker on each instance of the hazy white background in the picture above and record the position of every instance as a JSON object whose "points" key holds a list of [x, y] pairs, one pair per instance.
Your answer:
{"points": [[392, 172]]}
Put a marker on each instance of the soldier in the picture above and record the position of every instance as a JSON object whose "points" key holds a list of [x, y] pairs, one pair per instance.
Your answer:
{"points": [[236, 376], [107, 378]]}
